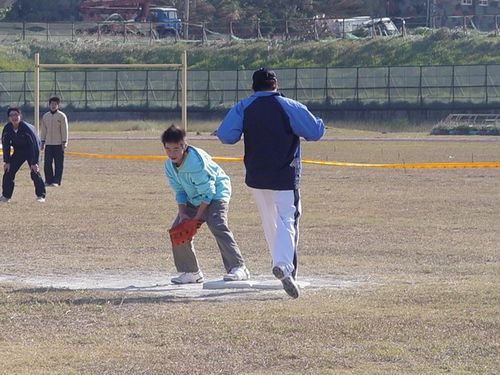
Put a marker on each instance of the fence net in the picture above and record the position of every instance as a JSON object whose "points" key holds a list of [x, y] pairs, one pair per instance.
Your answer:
{"points": [[319, 87]]}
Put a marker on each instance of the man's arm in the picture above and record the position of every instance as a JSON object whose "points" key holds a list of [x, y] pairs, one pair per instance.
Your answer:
{"points": [[231, 127], [304, 124], [6, 145], [64, 130], [34, 146]]}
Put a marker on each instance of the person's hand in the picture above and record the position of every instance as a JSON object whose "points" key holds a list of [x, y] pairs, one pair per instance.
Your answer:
{"points": [[6, 167], [35, 168], [183, 216], [64, 145]]}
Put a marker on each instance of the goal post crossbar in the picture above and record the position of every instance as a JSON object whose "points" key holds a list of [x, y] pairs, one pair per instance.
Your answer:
{"points": [[182, 67], [111, 66]]}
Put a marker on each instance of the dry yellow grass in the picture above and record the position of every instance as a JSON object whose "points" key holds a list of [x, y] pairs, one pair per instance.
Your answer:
{"points": [[424, 243]]}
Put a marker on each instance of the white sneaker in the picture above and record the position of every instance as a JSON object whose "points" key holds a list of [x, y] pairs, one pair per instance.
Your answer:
{"points": [[54, 184], [40, 199], [4, 200], [188, 278], [286, 278], [237, 274]]}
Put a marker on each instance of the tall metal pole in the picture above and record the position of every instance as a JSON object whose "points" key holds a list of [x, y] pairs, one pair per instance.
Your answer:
{"points": [[428, 16], [36, 109], [184, 90], [186, 19]]}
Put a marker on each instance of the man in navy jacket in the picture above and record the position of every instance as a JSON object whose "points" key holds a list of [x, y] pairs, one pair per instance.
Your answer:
{"points": [[272, 126], [22, 137]]}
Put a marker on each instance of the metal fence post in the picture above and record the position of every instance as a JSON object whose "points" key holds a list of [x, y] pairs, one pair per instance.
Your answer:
{"points": [[147, 89], [209, 102], [486, 83], [296, 83], [453, 84], [326, 85], [116, 88], [237, 85], [389, 85], [357, 84], [25, 85], [420, 88], [85, 89], [24, 31], [36, 109]]}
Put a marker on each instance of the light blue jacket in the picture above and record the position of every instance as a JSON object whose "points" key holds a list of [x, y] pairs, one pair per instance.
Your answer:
{"points": [[199, 179]]}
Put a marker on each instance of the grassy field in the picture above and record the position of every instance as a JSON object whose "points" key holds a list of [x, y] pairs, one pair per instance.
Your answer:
{"points": [[423, 245]]}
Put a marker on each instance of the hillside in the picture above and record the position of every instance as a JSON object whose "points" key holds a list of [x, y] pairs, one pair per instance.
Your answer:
{"points": [[439, 48]]}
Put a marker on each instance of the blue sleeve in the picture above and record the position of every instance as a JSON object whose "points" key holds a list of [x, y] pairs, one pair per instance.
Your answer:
{"points": [[231, 127], [180, 194], [304, 124]]}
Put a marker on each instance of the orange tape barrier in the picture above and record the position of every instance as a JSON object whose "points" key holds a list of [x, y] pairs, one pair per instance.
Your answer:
{"points": [[314, 162], [486, 164]]}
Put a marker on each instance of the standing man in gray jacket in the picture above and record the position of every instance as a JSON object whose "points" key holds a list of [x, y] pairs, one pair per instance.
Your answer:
{"points": [[54, 135]]}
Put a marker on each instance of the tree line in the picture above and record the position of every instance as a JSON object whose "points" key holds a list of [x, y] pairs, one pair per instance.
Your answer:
{"points": [[213, 12]]}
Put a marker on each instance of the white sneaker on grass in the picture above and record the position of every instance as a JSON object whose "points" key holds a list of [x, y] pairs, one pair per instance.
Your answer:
{"points": [[289, 285], [188, 278], [237, 274]]}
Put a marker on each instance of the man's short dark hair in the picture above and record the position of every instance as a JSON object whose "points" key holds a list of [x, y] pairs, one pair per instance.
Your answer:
{"points": [[264, 80], [13, 109], [173, 134], [55, 99]]}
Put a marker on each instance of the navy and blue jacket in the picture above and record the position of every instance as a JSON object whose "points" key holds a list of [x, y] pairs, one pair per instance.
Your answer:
{"points": [[25, 141], [271, 126]]}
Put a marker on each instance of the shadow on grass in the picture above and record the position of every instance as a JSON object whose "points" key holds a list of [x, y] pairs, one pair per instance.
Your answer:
{"points": [[52, 296]]}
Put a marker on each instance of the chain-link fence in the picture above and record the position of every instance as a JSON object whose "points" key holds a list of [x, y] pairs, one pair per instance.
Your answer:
{"points": [[412, 86]]}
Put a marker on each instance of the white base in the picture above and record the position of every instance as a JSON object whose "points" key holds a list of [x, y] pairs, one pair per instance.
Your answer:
{"points": [[249, 284]]}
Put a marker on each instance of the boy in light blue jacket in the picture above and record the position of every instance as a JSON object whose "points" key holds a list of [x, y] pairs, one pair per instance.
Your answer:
{"points": [[202, 192]]}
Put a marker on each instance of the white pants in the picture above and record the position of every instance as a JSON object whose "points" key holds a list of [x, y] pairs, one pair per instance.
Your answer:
{"points": [[279, 211]]}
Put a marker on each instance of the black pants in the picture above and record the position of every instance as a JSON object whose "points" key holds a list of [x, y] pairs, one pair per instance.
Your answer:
{"points": [[8, 177], [53, 154]]}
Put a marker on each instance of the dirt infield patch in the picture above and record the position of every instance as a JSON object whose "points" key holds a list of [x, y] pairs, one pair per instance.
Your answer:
{"points": [[158, 284]]}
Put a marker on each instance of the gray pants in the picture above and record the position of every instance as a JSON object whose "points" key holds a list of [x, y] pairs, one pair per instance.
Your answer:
{"points": [[215, 217]]}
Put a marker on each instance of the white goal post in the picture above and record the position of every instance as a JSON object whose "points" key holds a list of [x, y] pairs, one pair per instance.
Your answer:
{"points": [[182, 66]]}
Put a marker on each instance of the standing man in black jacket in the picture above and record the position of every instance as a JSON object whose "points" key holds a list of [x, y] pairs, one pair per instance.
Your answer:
{"points": [[22, 137]]}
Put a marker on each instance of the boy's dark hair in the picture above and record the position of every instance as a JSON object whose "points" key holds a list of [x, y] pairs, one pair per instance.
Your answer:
{"points": [[173, 134], [55, 99], [13, 109], [264, 79]]}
